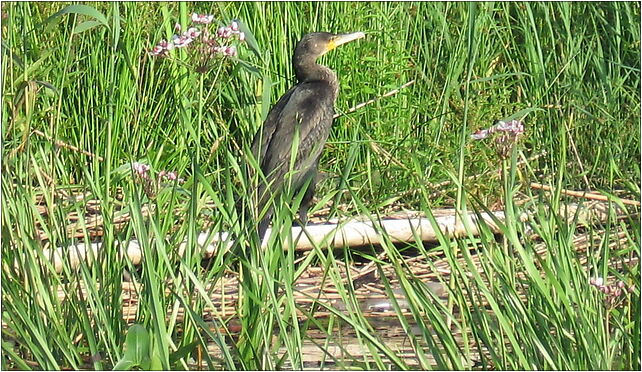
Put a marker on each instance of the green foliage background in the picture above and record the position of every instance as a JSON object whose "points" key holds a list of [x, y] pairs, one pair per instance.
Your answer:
{"points": [[571, 71], [578, 64]]}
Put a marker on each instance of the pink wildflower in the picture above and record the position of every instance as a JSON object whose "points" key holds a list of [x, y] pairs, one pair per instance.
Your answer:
{"points": [[166, 44], [157, 50], [480, 134], [208, 44], [162, 49], [193, 32], [181, 41], [598, 282], [230, 51], [202, 18], [508, 135], [514, 127], [141, 169], [224, 32], [613, 293]]}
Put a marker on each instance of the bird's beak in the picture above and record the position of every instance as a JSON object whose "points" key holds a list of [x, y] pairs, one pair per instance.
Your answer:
{"points": [[344, 38]]}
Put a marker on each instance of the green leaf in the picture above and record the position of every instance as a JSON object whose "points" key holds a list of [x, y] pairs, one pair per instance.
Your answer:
{"points": [[266, 98], [124, 365], [87, 25], [521, 114], [48, 86], [183, 352], [32, 68], [249, 38], [155, 362], [137, 344], [9, 349], [16, 58], [116, 23], [80, 9], [251, 69], [499, 76]]}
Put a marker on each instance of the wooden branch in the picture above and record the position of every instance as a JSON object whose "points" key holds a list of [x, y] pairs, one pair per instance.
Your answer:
{"points": [[354, 233], [584, 194], [363, 104], [67, 146], [348, 233]]}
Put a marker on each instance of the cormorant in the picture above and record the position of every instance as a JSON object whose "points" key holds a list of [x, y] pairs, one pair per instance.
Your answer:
{"points": [[308, 108]]}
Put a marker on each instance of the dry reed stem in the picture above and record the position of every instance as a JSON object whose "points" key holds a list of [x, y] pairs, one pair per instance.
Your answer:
{"points": [[67, 146], [584, 194], [388, 94]]}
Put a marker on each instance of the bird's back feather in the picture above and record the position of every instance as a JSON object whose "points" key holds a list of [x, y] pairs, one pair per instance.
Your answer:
{"points": [[309, 108]]}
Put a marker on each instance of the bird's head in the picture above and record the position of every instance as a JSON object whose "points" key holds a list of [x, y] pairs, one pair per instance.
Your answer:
{"points": [[317, 44]]}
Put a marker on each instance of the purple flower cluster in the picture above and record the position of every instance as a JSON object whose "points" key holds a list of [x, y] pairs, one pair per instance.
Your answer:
{"points": [[141, 169], [150, 185], [170, 176], [208, 45], [513, 127], [203, 19], [509, 133], [614, 293], [230, 31], [162, 49]]}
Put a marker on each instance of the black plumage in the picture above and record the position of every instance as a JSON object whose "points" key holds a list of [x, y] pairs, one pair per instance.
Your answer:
{"points": [[308, 108]]}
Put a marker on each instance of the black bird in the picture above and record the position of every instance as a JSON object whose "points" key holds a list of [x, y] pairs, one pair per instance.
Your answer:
{"points": [[307, 108]]}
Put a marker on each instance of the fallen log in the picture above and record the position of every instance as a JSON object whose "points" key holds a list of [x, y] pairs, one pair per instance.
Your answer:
{"points": [[348, 233]]}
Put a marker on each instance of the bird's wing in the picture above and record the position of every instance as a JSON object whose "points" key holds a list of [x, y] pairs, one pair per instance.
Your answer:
{"points": [[308, 106], [263, 137]]}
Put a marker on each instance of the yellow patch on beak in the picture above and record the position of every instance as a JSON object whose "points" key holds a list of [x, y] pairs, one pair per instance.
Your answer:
{"points": [[343, 39]]}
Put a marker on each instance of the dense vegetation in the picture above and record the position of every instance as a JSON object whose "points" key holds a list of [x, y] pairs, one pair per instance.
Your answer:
{"points": [[82, 99]]}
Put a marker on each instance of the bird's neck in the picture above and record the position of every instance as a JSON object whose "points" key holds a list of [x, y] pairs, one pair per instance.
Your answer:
{"points": [[307, 70]]}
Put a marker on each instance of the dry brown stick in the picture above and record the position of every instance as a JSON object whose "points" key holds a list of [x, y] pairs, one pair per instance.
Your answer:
{"points": [[385, 154], [367, 269], [584, 194], [574, 148], [67, 146], [363, 104]]}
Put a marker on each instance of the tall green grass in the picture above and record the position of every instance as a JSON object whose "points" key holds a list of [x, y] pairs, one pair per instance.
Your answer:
{"points": [[83, 77]]}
